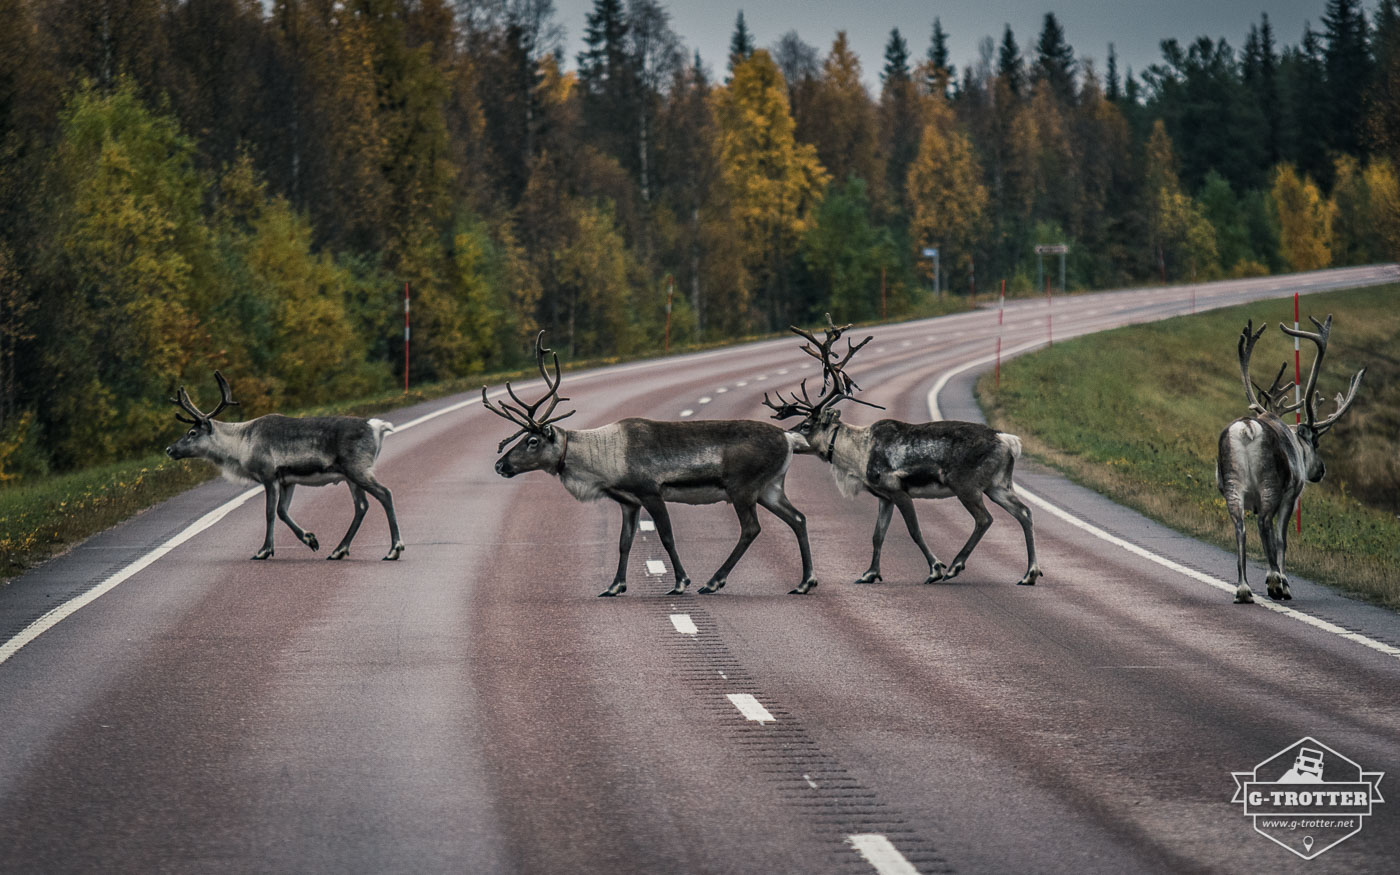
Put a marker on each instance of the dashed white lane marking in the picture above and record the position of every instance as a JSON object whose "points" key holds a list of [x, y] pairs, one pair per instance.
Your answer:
{"points": [[906, 343], [742, 383], [880, 853], [750, 708], [647, 526], [721, 390], [810, 782], [684, 624], [656, 566], [782, 372], [705, 399], [687, 412], [1060, 513]]}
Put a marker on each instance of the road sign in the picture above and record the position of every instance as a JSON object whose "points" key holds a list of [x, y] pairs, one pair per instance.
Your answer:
{"points": [[930, 253], [1057, 249]]}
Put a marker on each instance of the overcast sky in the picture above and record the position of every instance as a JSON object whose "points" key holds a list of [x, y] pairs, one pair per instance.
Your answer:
{"points": [[1135, 27]]}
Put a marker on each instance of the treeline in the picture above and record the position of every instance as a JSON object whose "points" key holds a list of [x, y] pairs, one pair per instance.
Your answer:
{"points": [[192, 184]]}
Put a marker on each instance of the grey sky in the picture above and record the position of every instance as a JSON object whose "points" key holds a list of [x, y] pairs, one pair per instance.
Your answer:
{"points": [[1135, 27]]}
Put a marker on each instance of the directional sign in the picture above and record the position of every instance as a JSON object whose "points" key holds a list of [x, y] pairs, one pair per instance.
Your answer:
{"points": [[930, 253], [1057, 249]]}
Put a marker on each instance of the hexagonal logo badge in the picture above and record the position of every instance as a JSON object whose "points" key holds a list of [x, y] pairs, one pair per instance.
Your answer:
{"points": [[1308, 797]]}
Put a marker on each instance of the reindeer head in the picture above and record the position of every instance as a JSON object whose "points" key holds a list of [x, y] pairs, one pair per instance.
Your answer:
{"points": [[199, 440], [1270, 402], [819, 417], [544, 446]]}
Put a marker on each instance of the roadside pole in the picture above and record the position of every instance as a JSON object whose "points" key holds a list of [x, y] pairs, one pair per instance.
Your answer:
{"points": [[1298, 397], [405, 338], [1001, 316]]}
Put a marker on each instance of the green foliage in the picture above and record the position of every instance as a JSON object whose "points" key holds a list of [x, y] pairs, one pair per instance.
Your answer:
{"points": [[845, 251], [1149, 403]]}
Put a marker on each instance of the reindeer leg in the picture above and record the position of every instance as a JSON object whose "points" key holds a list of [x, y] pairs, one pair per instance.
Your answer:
{"points": [[274, 492], [982, 520], [382, 494], [1281, 523], [285, 502], [748, 530], [630, 512], [1243, 594], [882, 524], [1271, 553], [776, 501], [657, 508], [1009, 501], [936, 570], [361, 505]]}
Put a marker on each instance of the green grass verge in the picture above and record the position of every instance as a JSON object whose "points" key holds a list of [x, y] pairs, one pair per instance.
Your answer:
{"points": [[42, 517], [1136, 414]]}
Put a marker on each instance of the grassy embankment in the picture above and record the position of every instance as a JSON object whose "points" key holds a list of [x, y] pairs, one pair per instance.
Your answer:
{"points": [[42, 517], [1136, 413]]}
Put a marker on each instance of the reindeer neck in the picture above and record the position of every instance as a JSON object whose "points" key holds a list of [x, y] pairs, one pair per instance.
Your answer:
{"points": [[848, 446]]}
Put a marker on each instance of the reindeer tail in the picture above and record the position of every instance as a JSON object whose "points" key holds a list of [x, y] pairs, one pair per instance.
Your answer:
{"points": [[1011, 441]]}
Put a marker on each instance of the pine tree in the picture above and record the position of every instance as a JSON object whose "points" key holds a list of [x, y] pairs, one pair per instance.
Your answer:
{"points": [[740, 44], [1113, 87], [1054, 62], [1383, 97], [940, 73], [1347, 62], [1011, 67], [845, 135], [899, 116]]}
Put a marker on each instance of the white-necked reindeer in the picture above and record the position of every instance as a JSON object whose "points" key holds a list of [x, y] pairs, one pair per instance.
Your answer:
{"points": [[642, 463], [282, 452], [899, 461], [1264, 463]]}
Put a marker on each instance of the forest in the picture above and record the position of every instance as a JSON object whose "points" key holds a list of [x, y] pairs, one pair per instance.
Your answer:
{"points": [[197, 184]]}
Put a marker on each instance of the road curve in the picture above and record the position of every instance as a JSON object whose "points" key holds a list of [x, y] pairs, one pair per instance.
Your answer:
{"points": [[474, 707]]}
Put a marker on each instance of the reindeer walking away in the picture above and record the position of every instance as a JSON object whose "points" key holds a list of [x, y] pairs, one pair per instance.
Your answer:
{"points": [[283, 452], [642, 463], [899, 461], [1263, 463]]}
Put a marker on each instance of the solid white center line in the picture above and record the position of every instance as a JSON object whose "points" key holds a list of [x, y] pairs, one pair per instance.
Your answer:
{"points": [[687, 412], [647, 526], [880, 853], [656, 566], [684, 624], [750, 708]]}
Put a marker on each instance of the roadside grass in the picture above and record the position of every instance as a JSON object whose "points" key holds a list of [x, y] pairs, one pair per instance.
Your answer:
{"points": [[42, 517], [1136, 414]]}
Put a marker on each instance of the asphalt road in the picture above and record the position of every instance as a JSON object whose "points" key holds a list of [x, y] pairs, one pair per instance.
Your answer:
{"points": [[474, 707]]}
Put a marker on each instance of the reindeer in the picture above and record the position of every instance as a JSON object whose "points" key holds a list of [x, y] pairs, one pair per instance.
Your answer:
{"points": [[1263, 463], [642, 463], [899, 461], [282, 452]]}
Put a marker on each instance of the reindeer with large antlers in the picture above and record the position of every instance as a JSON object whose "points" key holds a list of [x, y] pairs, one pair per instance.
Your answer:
{"points": [[899, 461], [1263, 463], [642, 463], [282, 452]]}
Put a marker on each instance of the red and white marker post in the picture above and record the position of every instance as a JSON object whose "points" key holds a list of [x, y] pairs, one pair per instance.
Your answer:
{"points": [[405, 338], [1298, 397], [1001, 316]]}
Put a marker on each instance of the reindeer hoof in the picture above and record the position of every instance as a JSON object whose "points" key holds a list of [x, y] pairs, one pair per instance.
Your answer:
{"points": [[1029, 579], [1244, 596], [310, 540], [711, 587], [339, 553], [680, 586], [264, 553], [870, 577], [394, 552], [954, 570], [938, 572], [614, 590], [804, 587]]}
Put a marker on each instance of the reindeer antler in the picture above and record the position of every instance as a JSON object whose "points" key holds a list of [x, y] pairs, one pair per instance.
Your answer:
{"points": [[836, 383], [1319, 339], [182, 399], [526, 415], [1273, 397]]}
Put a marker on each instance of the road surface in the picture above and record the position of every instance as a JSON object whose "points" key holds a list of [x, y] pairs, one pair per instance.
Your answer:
{"points": [[170, 706]]}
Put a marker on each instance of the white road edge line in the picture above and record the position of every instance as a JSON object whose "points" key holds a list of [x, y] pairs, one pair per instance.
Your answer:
{"points": [[880, 853], [936, 413], [684, 624], [751, 708]]}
